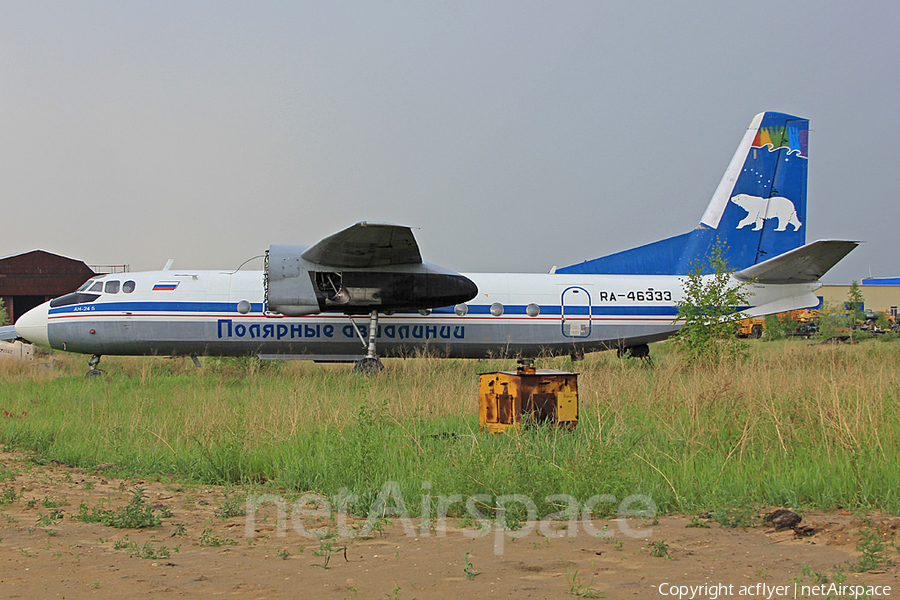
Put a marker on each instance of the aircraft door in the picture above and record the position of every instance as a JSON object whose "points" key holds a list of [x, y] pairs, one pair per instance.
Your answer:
{"points": [[576, 312], [120, 339]]}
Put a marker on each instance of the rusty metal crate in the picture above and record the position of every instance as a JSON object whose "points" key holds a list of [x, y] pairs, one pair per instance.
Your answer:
{"points": [[510, 399]]}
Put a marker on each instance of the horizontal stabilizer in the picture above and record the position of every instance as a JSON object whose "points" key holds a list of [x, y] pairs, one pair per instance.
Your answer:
{"points": [[367, 245], [785, 304], [805, 264], [8, 333]]}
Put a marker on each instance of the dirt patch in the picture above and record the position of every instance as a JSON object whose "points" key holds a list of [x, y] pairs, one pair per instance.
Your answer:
{"points": [[45, 552]]}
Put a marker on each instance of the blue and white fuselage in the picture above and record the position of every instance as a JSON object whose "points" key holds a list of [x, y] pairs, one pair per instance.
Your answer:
{"points": [[308, 299], [513, 314]]}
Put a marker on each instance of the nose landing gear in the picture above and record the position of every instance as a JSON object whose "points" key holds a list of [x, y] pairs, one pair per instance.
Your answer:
{"points": [[93, 371], [371, 364]]}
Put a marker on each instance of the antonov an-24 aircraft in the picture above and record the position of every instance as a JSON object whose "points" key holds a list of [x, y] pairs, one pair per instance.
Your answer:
{"points": [[302, 305]]}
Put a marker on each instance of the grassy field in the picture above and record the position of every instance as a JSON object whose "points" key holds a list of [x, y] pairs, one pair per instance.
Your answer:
{"points": [[797, 424]]}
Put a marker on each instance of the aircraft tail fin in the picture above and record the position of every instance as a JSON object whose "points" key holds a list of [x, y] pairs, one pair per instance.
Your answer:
{"points": [[757, 212]]}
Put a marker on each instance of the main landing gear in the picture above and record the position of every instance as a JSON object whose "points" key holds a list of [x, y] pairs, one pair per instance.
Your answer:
{"points": [[93, 371], [641, 351], [370, 364]]}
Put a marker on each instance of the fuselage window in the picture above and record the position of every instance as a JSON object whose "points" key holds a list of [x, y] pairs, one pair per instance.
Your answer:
{"points": [[112, 287], [128, 287], [97, 287]]}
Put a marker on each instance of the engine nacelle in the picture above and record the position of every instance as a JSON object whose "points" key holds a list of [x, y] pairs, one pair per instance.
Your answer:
{"points": [[298, 287], [289, 289]]}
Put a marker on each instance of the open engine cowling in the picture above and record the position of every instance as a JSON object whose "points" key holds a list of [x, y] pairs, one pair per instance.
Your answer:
{"points": [[295, 286]]}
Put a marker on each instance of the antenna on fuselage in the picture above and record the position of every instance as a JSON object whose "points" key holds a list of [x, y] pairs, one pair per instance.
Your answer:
{"points": [[169, 264], [246, 261]]}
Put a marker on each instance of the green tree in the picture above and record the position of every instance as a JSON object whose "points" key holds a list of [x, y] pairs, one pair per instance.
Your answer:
{"points": [[882, 322], [855, 306], [832, 321], [779, 327], [710, 311], [4, 316]]}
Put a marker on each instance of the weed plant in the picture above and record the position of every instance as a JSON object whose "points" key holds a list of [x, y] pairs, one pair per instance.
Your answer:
{"points": [[795, 424], [872, 549], [658, 549], [582, 590], [209, 539], [468, 568], [137, 514], [232, 506]]}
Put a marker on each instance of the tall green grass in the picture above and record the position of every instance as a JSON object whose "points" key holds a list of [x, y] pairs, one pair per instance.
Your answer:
{"points": [[795, 424]]}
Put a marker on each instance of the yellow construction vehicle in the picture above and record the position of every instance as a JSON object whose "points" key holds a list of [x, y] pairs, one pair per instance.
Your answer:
{"points": [[751, 327], [879, 321], [806, 320]]}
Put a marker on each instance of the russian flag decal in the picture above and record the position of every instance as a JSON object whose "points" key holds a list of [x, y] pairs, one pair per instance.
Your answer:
{"points": [[165, 286]]}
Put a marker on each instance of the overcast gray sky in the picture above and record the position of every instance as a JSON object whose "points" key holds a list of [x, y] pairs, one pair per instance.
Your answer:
{"points": [[514, 135]]}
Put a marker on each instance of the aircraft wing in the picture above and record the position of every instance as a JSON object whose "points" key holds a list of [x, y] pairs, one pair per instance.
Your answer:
{"points": [[805, 264], [366, 245], [8, 333]]}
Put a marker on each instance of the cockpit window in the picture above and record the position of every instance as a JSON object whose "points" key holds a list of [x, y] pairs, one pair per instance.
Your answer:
{"points": [[86, 284], [97, 287], [128, 287], [112, 287], [73, 298]]}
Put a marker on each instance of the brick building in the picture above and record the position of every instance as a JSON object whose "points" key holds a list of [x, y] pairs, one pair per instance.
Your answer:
{"points": [[32, 278]]}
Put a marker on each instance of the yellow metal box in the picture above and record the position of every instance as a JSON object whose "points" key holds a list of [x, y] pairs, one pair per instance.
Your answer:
{"points": [[508, 399]]}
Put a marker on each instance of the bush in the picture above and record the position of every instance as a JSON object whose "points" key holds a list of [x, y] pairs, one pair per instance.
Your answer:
{"points": [[832, 322], [136, 515], [779, 327], [882, 322], [708, 309]]}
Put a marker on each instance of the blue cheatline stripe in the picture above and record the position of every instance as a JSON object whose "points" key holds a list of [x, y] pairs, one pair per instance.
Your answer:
{"points": [[197, 307], [485, 309], [474, 309], [636, 310]]}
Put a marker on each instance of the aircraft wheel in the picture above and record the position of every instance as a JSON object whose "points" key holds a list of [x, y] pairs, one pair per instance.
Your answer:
{"points": [[368, 367], [639, 351], [92, 364]]}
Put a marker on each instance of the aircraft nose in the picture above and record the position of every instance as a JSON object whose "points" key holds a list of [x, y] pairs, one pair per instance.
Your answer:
{"points": [[33, 325]]}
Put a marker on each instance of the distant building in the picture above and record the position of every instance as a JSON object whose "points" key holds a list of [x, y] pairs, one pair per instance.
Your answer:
{"points": [[880, 281], [30, 279], [879, 294]]}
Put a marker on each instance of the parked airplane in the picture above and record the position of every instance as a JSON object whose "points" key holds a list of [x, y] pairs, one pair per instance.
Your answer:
{"points": [[302, 305]]}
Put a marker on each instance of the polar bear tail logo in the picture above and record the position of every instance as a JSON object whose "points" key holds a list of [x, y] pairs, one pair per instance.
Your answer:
{"points": [[761, 209]]}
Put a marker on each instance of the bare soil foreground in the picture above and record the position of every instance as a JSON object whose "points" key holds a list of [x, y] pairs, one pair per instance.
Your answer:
{"points": [[45, 552]]}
